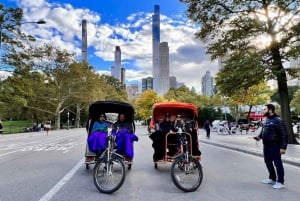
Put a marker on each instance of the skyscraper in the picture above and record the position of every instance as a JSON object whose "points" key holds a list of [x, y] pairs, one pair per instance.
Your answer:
{"points": [[173, 82], [164, 75], [155, 47], [116, 69], [147, 83], [84, 41], [207, 84]]}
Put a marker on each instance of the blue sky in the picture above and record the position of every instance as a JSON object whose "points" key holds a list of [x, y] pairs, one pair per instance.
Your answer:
{"points": [[126, 23]]}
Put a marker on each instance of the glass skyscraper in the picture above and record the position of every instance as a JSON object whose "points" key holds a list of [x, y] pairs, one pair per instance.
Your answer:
{"points": [[155, 47]]}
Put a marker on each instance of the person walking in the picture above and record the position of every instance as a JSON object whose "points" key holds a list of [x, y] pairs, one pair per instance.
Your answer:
{"points": [[48, 126], [207, 128], [1, 127], [275, 139]]}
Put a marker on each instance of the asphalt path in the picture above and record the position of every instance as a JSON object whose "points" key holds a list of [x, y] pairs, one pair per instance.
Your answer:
{"points": [[36, 167]]}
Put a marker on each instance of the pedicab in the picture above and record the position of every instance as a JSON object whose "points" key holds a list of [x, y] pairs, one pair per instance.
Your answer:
{"points": [[180, 146], [110, 160]]}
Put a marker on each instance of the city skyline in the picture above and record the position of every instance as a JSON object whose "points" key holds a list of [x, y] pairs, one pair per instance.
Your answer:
{"points": [[121, 23]]}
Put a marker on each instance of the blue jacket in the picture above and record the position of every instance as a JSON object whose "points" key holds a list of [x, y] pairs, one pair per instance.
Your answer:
{"points": [[274, 132]]}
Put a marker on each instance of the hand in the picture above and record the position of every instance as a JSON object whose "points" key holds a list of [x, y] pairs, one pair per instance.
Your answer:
{"points": [[282, 151], [256, 138]]}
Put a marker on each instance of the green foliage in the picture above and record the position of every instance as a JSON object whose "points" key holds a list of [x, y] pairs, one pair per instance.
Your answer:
{"points": [[144, 103], [296, 101], [15, 126], [182, 94], [291, 91], [241, 69], [208, 113], [52, 85], [236, 31]]}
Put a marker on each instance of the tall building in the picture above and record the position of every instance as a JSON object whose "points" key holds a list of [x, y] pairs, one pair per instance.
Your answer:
{"points": [[132, 91], [84, 41], [207, 84], [123, 78], [294, 64], [164, 75], [116, 69], [155, 47], [147, 83], [173, 82]]}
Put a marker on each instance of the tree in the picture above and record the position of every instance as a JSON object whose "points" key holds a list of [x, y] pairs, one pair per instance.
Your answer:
{"points": [[291, 90], [296, 101], [258, 94], [182, 94], [144, 103], [230, 28], [12, 40]]}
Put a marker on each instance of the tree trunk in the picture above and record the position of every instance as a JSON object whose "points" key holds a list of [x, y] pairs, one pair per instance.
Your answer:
{"points": [[57, 120], [77, 120], [284, 98]]}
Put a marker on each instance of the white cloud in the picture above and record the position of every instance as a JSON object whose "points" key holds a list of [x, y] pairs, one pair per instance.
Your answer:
{"points": [[188, 61]]}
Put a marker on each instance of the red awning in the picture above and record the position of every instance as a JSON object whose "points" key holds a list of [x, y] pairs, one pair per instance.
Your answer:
{"points": [[257, 116]]}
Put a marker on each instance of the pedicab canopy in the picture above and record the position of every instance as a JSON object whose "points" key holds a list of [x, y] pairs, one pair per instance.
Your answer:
{"points": [[185, 110], [99, 107]]}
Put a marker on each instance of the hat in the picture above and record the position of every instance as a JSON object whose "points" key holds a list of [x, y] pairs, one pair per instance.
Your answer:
{"points": [[167, 115], [270, 107]]}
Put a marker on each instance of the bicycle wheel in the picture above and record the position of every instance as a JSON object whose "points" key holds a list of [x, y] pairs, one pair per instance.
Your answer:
{"points": [[109, 176], [186, 175]]}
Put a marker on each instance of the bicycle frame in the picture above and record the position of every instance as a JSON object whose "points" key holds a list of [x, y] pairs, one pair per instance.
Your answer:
{"points": [[110, 152]]}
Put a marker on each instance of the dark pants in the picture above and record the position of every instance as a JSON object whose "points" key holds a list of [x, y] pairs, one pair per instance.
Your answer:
{"points": [[272, 155], [207, 132]]}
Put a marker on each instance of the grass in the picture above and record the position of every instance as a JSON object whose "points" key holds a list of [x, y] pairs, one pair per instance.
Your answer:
{"points": [[10, 127]]}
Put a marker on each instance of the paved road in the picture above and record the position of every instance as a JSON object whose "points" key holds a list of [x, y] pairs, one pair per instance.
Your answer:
{"points": [[36, 167], [245, 143]]}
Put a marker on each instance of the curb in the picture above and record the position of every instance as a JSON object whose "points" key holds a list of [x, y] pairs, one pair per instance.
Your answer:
{"points": [[288, 160]]}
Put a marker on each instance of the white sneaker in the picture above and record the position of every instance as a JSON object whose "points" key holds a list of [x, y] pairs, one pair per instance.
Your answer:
{"points": [[278, 185], [268, 181]]}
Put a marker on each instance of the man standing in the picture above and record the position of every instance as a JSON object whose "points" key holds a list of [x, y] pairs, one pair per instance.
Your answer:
{"points": [[275, 138], [207, 128]]}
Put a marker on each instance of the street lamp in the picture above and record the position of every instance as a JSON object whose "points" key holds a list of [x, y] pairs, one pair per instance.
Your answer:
{"points": [[36, 22]]}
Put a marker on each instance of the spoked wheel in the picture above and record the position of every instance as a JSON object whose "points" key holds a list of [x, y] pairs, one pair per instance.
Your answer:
{"points": [[186, 175], [109, 176]]}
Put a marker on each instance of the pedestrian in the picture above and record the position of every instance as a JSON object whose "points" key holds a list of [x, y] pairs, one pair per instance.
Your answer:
{"points": [[42, 127], [1, 127], [207, 128], [48, 126], [275, 138], [148, 124]]}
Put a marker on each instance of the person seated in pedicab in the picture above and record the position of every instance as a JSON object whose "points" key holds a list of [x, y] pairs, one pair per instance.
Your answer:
{"points": [[125, 136], [188, 127], [97, 137], [159, 137]]}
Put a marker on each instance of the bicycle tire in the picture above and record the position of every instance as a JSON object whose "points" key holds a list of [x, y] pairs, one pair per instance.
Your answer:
{"points": [[109, 181], [186, 180]]}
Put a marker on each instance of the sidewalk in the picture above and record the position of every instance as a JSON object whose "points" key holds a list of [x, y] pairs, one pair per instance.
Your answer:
{"points": [[245, 143]]}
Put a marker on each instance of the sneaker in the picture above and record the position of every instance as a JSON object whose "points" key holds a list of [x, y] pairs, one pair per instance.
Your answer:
{"points": [[278, 185], [268, 181]]}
